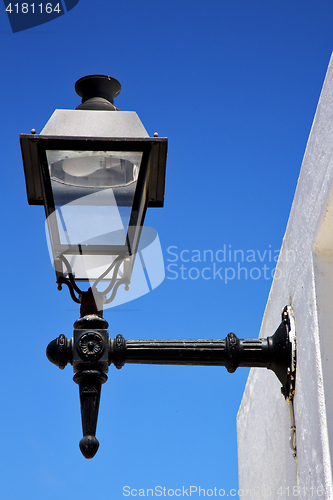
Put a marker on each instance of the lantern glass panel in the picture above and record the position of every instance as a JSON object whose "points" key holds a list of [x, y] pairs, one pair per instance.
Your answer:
{"points": [[93, 193]]}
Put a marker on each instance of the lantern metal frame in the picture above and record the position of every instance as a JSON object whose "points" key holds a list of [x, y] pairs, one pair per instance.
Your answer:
{"points": [[149, 192], [33, 148]]}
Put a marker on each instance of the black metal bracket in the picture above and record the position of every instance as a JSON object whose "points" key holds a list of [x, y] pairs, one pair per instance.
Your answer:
{"points": [[91, 351], [96, 296]]}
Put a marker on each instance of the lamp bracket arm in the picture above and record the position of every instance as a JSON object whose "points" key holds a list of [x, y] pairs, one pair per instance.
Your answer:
{"points": [[67, 282], [91, 351], [277, 352]]}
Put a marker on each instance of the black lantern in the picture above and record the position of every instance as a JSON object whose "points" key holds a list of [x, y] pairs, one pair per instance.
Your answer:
{"points": [[96, 171]]}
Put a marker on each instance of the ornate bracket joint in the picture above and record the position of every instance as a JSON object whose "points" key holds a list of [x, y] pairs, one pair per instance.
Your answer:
{"points": [[232, 350], [118, 351]]}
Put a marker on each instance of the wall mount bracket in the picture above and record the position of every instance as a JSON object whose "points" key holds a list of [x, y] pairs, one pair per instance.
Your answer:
{"points": [[91, 351]]}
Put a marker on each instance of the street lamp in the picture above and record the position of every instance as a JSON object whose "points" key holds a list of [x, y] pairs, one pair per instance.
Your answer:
{"points": [[96, 170]]}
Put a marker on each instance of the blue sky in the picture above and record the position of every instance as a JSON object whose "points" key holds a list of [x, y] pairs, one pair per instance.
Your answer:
{"points": [[234, 86]]}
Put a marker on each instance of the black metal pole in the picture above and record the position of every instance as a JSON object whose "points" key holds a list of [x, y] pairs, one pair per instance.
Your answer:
{"points": [[214, 352], [274, 353]]}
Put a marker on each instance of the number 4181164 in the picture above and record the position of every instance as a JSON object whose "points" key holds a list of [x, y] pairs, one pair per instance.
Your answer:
{"points": [[25, 8]]}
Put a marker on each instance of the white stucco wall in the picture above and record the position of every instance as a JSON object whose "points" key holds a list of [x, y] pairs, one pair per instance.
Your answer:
{"points": [[304, 280]]}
